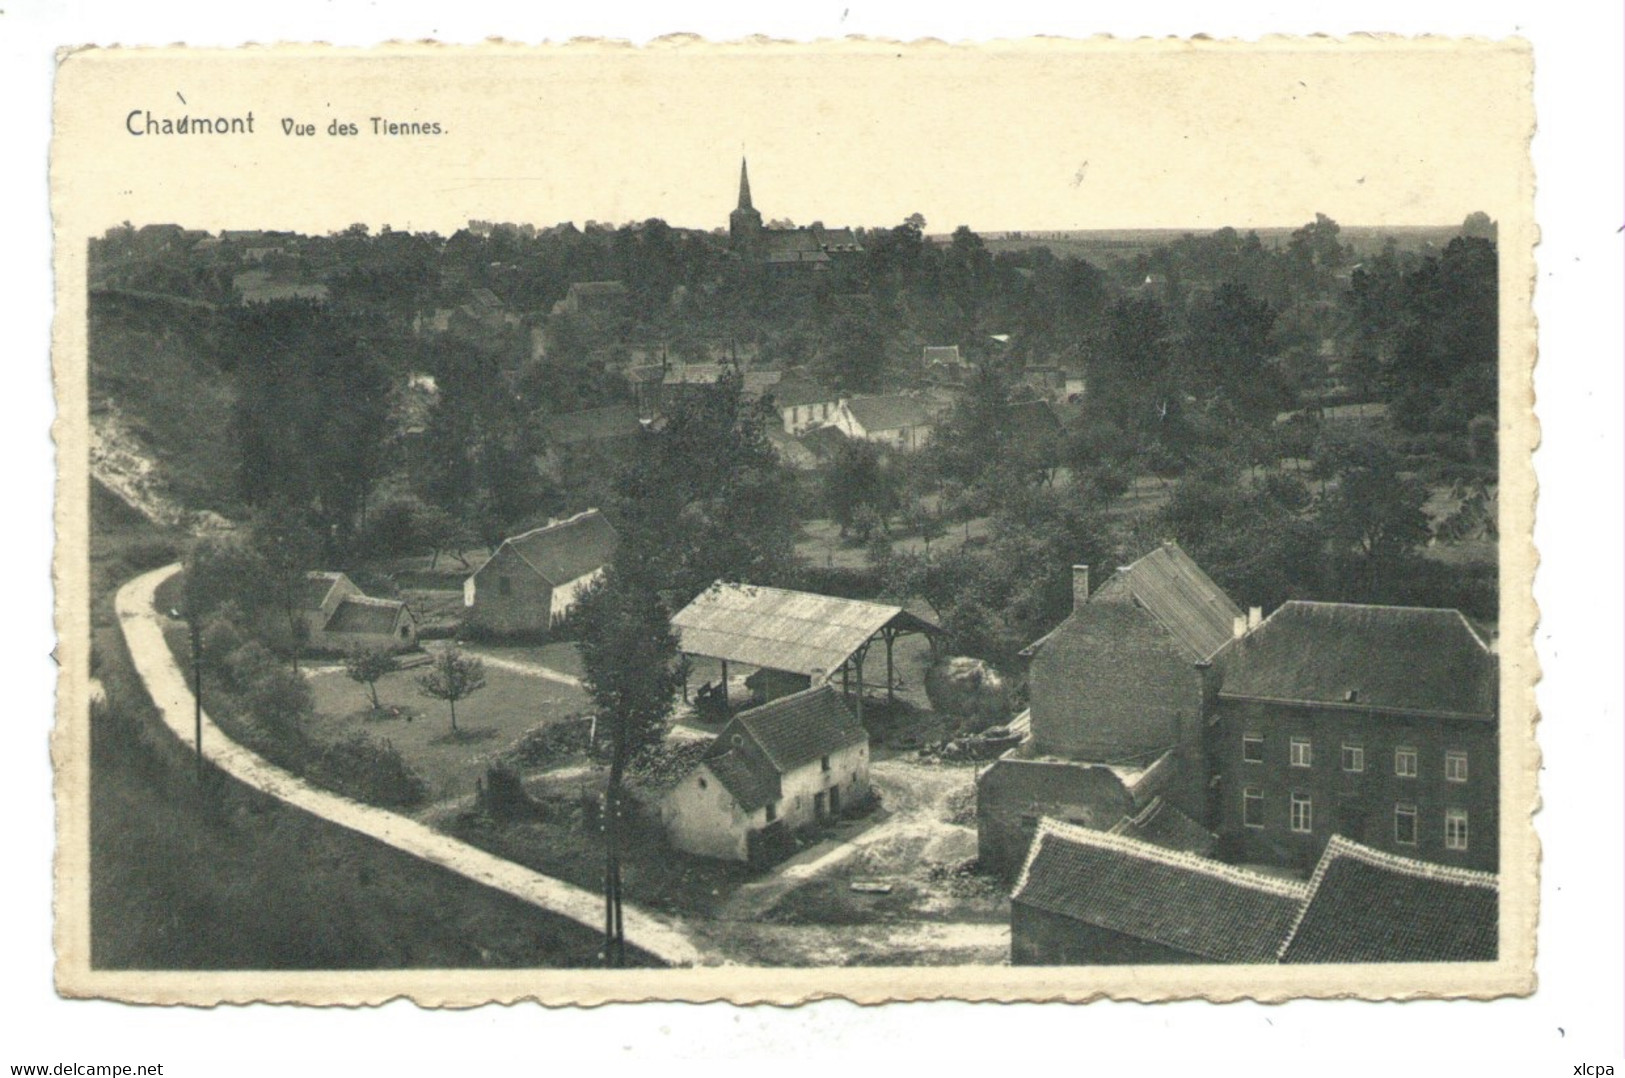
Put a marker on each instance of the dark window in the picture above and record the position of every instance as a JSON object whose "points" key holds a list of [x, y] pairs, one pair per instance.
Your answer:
{"points": [[1455, 829], [823, 763], [772, 811], [1405, 824], [1353, 757], [1252, 807], [1252, 748]]}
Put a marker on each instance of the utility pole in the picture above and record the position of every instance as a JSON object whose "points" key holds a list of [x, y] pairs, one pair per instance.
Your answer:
{"points": [[197, 686], [614, 929]]}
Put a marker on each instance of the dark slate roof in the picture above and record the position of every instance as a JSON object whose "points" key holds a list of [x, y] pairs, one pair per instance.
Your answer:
{"points": [[794, 390], [364, 615], [567, 549], [1379, 658], [592, 425], [1177, 900], [823, 442], [887, 413], [1368, 906], [748, 778], [315, 588], [1183, 599], [798, 729], [1161, 824]]}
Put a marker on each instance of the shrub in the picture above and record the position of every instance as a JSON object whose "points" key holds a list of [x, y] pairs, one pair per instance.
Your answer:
{"points": [[370, 770], [501, 795], [548, 744]]}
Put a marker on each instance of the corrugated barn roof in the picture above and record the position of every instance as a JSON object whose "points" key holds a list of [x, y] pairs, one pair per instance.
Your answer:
{"points": [[795, 631]]}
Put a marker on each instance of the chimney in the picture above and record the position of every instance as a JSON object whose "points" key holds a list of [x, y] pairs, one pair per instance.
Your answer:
{"points": [[1238, 627], [1255, 614], [1080, 586]]}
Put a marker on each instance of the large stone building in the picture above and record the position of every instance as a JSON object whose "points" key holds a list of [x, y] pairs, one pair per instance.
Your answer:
{"points": [[1377, 723]]}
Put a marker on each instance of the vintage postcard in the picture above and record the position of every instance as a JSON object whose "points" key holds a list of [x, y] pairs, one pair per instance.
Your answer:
{"points": [[1027, 520]]}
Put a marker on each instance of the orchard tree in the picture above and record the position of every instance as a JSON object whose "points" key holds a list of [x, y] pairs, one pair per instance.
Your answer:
{"points": [[452, 676], [365, 666]]}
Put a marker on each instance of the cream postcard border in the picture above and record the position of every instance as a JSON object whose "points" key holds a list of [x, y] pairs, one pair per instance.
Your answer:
{"points": [[97, 181]]}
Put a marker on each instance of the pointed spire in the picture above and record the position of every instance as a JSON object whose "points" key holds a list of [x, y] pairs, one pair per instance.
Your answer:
{"points": [[744, 187]]}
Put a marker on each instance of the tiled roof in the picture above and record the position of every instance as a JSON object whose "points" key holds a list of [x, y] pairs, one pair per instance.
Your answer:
{"points": [[823, 441], [798, 729], [796, 631], [1368, 906], [748, 778], [315, 588], [1383, 658], [887, 413], [592, 425], [1183, 599], [1178, 900], [1161, 824], [794, 390], [359, 614], [567, 549]]}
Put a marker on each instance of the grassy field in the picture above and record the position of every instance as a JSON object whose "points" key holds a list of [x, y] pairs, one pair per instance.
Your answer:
{"points": [[487, 722], [225, 878]]}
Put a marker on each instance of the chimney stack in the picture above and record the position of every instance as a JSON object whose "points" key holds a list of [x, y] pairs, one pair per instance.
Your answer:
{"points": [[1255, 614], [1080, 586], [1238, 627]]}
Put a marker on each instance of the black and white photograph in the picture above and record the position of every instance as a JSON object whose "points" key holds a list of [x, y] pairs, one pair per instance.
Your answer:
{"points": [[780, 573]]}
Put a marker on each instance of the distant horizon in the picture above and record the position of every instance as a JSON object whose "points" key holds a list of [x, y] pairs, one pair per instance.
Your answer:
{"points": [[930, 233]]}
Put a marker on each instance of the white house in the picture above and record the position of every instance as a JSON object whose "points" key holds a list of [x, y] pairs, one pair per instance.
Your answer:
{"points": [[902, 422], [804, 404], [785, 765]]}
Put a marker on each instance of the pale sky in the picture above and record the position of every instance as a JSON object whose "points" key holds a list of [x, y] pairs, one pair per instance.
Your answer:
{"points": [[998, 137]]}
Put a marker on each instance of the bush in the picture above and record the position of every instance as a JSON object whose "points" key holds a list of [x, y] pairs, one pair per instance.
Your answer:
{"points": [[369, 770], [543, 745], [501, 795]]}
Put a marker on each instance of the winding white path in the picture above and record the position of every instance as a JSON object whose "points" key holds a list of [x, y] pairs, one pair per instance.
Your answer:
{"points": [[166, 683]]}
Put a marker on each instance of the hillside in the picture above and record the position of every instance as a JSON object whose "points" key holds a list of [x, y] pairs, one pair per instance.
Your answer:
{"points": [[157, 394]]}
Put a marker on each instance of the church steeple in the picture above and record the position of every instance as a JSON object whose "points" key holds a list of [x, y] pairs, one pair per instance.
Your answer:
{"points": [[744, 223], [744, 187]]}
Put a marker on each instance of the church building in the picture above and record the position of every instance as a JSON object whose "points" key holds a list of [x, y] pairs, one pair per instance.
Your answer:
{"points": [[812, 247]]}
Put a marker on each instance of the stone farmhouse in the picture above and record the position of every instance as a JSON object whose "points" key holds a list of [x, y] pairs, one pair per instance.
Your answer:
{"points": [[1116, 711], [788, 764], [533, 579]]}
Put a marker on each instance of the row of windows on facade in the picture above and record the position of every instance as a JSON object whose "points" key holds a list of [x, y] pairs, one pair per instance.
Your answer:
{"points": [[1406, 759], [1302, 818]]}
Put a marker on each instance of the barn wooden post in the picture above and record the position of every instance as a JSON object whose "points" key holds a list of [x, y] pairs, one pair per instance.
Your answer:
{"points": [[858, 656], [891, 696]]}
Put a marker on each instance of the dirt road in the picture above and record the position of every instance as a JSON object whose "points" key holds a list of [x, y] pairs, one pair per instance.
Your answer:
{"points": [[143, 632]]}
